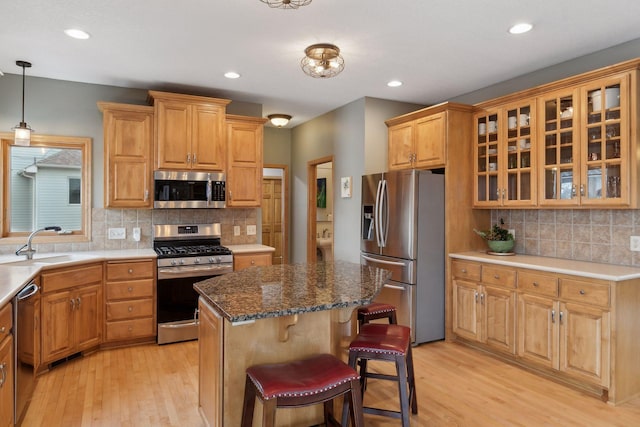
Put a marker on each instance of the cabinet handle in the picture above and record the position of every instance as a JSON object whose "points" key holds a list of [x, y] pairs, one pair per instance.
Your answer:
{"points": [[476, 296], [573, 190], [581, 291], [230, 195], [131, 271], [553, 316], [195, 159], [188, 157], [78, 302], [498, 193], [482, 298], [146, 195], [130, 289], [4, 374], [561, 314], [73, 304], [504, 194], [535, 284], [582, 190]]}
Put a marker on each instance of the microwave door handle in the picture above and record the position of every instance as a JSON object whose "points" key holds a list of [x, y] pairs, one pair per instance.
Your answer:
{"points": [[376, 215], [209, 190]]}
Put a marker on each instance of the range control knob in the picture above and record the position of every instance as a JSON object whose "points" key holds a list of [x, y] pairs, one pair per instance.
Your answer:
{"points": [[196, 261], [173, 262], [181, 262], [212, 260]]}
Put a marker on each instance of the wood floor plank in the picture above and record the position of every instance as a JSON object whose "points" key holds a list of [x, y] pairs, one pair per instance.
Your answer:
{"points": [[151, 385]]}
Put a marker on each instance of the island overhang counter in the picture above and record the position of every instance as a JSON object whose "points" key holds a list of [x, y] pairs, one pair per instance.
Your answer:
{"points": [[275, 314]]}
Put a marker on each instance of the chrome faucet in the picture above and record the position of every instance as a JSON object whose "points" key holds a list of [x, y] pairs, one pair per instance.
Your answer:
{"points": [[29, 251], [324, 233]]}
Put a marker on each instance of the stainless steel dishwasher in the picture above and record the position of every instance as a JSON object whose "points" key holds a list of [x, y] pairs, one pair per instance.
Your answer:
{"points": [[25, 329]]}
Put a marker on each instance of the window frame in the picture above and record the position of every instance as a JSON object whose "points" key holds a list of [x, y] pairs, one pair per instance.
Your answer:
{"points": [[83, 144]]}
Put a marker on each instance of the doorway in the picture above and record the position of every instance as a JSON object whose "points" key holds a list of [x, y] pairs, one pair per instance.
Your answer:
{"points": [[275, 211], [320, 209]]}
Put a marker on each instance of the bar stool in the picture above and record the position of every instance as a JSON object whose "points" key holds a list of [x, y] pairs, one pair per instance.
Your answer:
{"points": [[317, 379], [376, 310], [388, 343]]}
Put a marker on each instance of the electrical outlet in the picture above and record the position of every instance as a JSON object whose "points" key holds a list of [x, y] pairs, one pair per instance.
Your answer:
{"points": [[136, 234], [634, 243], [513, 232], [251, 230], [117, 233], [236, 230]]}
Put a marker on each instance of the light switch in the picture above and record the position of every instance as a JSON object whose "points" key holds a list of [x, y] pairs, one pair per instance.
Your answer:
{"points": [[236, 230], [117, 233], [251, 230]]}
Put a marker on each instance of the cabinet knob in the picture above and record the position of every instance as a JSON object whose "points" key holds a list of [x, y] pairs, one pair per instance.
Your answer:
{"points": [[2, 329], [253, 261], [131, 271], [496, 276], [130, 309], [130, 328], [130, 289], [581, 291], [535, 284], [464, 270]]}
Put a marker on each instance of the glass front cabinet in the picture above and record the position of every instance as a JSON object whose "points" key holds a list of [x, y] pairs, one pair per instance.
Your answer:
{"points": [[505, 156]]}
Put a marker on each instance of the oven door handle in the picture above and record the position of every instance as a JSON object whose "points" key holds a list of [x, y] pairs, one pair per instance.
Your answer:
{"points": [[172, 272]]}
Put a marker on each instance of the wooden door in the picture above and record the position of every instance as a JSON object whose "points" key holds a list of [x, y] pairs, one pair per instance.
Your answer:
{"points": [[128, 139], [208, 145], [538, 321], [272, 223], [401, 146], [430, 141], [499, 318], [6, 382], [244, 171], [173, 123], [466, 310], [584, 343], [210, 335], [88, 317], [57, 318]]}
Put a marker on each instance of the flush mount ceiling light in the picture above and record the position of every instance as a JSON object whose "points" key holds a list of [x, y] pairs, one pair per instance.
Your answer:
{"points": [[520, 28], [279, 120], [322, 60], [286, 4], [22, 130], [77, 34]]}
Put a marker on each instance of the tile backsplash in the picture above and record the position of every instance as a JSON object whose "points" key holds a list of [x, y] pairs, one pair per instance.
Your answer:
{"points": [[103, 219], [596, 235]]}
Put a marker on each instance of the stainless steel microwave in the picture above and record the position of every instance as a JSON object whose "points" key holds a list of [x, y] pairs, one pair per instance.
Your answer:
{"points": [[186, 189]]}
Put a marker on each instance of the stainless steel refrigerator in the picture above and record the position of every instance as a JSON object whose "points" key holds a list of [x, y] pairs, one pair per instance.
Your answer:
{"points": [[403, 231]]}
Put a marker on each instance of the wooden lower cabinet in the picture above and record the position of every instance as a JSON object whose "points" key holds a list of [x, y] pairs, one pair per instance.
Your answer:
{"points": [[210, 333], [252, 259], [6, 367], [130, 301], [71, 311]]}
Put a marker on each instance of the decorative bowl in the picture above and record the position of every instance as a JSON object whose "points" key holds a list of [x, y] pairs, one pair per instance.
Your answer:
{"points": [[500, 246]]}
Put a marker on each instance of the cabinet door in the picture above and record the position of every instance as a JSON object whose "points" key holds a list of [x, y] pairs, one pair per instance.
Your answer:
{"points": [[605, 178], [88, 317], [487, 186], [538, 330], [518, 153], [173, 135], [559, 173], [128, 139], [401, 146], [6, 382], [57, 320], [584, 343], [208, 144], [429, 141], [466, 315], [241, 261], [244, 174], [499, 318], [210, 335]]}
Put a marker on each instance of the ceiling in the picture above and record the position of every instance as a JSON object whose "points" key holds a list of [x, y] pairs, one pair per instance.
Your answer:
{"points": [[438, 48]]}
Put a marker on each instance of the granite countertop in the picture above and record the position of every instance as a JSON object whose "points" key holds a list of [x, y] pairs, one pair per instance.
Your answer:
{"points": [[281, 290], [593, 270]]}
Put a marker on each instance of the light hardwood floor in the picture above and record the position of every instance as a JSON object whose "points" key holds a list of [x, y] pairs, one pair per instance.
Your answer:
{"points": [[154, 385]]}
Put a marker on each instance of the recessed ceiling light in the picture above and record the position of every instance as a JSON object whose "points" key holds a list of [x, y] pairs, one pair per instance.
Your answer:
{"points": [[232, 75], [520, 28], [394, 83], [77, 34]]}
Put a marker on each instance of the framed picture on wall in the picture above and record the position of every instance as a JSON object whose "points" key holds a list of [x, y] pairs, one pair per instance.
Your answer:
{"points": [[345, 187], [321, 193]]}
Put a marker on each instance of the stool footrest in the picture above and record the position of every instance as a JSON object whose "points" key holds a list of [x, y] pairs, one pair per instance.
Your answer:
{"points": [[384, 412], [382, 376]]}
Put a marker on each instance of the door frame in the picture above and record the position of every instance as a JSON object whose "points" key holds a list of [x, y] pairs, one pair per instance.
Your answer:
{"points": [[312, 176], [285, 208]]}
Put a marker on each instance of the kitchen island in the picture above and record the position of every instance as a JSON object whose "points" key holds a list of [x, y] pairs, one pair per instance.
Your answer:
{"points": [[275, 314]]}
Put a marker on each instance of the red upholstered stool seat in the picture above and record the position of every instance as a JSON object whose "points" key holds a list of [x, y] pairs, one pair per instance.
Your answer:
{"points": [[376, 310], [317, 379], [378, 341]]}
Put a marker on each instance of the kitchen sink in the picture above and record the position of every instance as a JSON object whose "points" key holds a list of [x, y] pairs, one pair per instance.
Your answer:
{"points": [[48, 260]]}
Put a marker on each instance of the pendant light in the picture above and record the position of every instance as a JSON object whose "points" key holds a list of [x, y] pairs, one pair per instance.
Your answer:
{"points": [[286, 4], [22, 130]]}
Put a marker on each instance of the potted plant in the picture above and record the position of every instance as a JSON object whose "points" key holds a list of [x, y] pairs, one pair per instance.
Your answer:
{"points": [[499, 239]]}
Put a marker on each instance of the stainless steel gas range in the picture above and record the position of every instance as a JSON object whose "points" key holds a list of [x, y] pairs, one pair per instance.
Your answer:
{"points": [[186, 254]]}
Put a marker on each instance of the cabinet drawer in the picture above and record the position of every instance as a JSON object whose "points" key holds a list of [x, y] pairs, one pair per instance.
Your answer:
{"points": [[128, 329], [130, 270], [540, 284], [132, 289], [72, 277], [499, 276], [6, 321], [466, 270], [585, 292], [121, 310], [251, 260]]}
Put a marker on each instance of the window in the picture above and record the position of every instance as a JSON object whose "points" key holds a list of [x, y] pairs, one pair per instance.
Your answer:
{"points": [[46, 184]]}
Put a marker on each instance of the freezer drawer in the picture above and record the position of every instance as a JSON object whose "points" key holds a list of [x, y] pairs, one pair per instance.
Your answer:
{"points": [[401, 296], [402, 270]]}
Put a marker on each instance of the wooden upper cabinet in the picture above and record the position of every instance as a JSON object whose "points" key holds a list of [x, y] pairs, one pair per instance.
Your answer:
{"points": [[418, 140], [190, 132], [244, 168], [128, 155]]}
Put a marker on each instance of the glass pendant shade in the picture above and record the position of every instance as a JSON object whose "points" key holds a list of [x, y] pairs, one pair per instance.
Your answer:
{"points": [[22, 134], [286, 4]]}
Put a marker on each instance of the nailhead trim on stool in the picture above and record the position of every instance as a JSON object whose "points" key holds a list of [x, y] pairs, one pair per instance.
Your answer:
{"points": [[376, 310], [317, 379], [379, 341]]}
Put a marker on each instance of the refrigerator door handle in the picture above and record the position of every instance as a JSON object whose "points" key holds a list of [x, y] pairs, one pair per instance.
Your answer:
{"points": [[384, 205], [376, 215], [400, 288], [381, 261]]}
